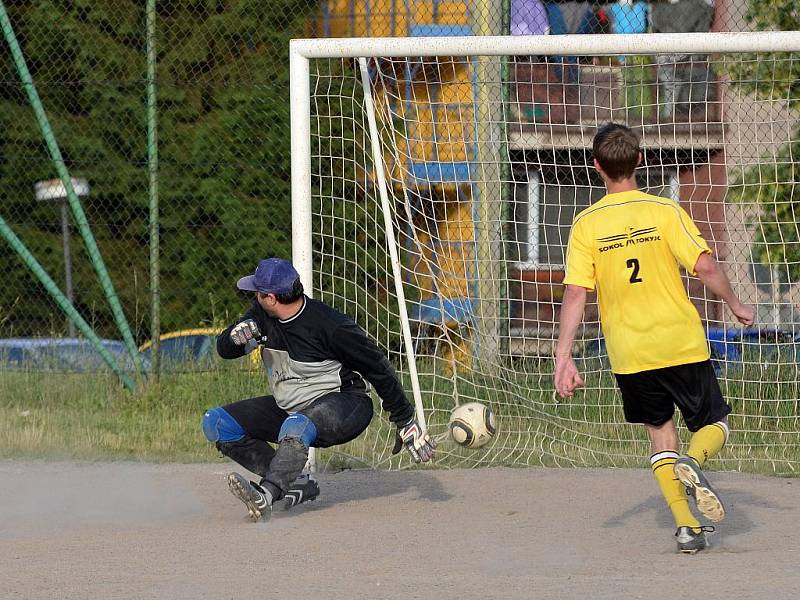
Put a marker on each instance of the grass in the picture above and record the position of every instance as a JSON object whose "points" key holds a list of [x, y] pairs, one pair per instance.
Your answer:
{"points": [[88, 416]]}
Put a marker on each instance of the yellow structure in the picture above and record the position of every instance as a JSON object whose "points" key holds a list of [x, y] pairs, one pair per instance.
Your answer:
{"points": [[433, 106], [387, 18]]}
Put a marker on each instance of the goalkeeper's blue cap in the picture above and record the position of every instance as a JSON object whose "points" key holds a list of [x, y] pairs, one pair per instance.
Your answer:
{"points": [[272, 276]]}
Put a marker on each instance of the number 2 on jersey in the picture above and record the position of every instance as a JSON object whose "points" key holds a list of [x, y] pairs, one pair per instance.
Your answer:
{"points": [[633, 263]]}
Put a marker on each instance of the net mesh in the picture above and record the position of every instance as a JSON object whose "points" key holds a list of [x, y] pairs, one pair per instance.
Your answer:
{"points": [[724, 140], [487, 162]]}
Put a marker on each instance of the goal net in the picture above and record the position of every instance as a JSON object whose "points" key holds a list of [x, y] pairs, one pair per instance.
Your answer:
{"points": [[435, 182]]}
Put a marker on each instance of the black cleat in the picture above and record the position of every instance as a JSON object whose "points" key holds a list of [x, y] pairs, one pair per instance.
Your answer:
{"points": [[257, 500], [692, 539], [699, 488], [304, 489]]}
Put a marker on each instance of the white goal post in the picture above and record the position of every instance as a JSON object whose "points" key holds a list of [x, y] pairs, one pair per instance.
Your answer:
{"points": [[434, 180]]}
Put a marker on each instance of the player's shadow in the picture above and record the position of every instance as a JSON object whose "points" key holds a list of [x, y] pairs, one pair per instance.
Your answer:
{"points": [[653, 504], [352, 486], [737, 506]]}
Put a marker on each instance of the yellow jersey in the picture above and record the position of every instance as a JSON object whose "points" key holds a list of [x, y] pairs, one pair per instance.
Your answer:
{"points": [[629, 245]]}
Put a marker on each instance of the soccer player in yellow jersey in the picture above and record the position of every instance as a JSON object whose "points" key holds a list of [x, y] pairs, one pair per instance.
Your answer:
{"points": [[630, 246]]}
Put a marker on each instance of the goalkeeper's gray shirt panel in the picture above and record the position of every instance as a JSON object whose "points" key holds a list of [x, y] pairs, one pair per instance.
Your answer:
{"points": [[317, 351], [297, 384]]}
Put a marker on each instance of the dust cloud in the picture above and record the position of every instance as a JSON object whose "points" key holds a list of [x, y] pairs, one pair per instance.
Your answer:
{"points": [[79, 495]]}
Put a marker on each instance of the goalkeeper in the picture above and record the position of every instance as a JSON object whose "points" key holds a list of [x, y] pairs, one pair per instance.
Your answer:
{"points": [[629, 245], [316, 361]]}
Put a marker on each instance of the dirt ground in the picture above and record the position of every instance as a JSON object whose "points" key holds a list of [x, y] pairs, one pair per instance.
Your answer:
{"points": [[128, 530]]}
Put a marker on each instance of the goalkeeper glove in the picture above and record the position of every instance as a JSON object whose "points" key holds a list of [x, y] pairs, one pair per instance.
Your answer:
{"points": [[245, 333], [417, 442]]}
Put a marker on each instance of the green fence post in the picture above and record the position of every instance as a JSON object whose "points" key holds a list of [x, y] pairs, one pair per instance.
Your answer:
{"points": [[50, 285], [152, 167], [72, 198]]}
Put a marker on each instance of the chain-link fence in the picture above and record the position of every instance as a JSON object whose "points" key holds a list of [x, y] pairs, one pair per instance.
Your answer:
{"points": [[223, 176]]}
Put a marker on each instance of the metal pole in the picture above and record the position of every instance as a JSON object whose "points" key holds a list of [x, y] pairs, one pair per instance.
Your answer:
{"points": [[152, 167], [488, 205], [67, 263], [506, 187], [63, 173], [391, 242], [569, 45], [300, 116], [300, 112], [62, 301]]}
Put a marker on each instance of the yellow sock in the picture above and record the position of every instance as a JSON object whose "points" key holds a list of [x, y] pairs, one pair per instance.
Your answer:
{"points": [[707, 442], [663, 465]]}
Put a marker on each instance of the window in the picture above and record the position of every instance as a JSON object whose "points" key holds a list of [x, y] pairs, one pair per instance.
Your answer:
{"points": [[545, 205]]}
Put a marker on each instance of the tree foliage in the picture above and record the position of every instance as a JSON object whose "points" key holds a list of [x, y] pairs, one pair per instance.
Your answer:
{"points": [[223, 146], [774, 183]]}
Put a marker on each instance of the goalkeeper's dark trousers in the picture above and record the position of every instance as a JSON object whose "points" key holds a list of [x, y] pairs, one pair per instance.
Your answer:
{"points": [[338, 418]]}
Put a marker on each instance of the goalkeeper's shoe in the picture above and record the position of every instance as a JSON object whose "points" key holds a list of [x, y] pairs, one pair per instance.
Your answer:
{"points": [[692, 539], [257, 500], [304, 489], [699, 488]]}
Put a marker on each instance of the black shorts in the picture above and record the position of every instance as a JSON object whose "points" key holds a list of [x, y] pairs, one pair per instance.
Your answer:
{"points": [[338, 417], [650, 397]]}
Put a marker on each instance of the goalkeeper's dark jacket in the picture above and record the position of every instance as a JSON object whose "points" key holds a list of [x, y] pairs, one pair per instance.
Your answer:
{"points": [[318, 351]]}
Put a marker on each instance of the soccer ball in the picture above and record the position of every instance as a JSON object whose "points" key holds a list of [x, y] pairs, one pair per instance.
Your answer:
{"points": [[472, 425]]}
